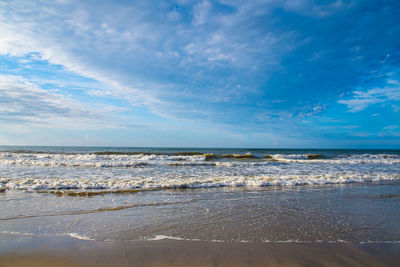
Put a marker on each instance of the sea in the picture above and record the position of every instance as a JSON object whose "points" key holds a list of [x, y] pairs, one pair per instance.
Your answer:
{"points": [[111, 194]]}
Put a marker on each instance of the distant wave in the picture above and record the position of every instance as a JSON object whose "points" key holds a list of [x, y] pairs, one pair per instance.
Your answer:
{"points": [[182, 153], [340, 159], [136, 160]]}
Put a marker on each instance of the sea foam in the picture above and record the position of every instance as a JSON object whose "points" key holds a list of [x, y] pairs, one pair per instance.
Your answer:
{"points": [[110, 171]]}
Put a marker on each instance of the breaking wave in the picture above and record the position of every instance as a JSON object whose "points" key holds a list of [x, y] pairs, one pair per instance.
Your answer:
{"points": [[129, 172], [90, 187], [137, 160]]}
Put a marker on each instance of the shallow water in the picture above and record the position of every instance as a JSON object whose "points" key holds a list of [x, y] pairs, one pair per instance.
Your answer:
{"points": [[356, 213]]}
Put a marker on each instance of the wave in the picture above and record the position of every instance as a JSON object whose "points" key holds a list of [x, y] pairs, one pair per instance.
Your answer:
{"points": [[339, 159], [137, 160], [182, 153], [98, 164], [189, 153], [90, 187], [92, 160], [211, 156]]}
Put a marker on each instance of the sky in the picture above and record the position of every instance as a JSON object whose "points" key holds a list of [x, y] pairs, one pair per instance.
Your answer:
{"points": [[267, 74]]}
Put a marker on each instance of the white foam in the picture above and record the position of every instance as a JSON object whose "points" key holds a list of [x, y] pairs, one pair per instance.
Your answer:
{"points": [[40, 171], [380, 242], [92, 160], [166, 237], [297, 241], [341, 159], [163, 237], [79, 236], [73, 235], [144, 183], [141, 160], [17, 233]]}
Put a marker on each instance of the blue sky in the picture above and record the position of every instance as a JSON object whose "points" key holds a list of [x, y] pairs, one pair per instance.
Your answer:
{"points": [[295, 73]]}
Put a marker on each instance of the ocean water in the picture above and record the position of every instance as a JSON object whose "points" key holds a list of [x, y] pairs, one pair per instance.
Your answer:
{"points": [[221, 195], [107, 169]]}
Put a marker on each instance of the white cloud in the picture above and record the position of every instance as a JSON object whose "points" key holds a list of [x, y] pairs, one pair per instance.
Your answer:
{"points": [[391, 127], [132, 48], [201, 12], [310, 110], [154, 58], [359, 104], [24, 102], [363, 99]]}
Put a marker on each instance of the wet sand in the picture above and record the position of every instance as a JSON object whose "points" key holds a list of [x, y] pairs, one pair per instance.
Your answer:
{"points": [[67, 251]]}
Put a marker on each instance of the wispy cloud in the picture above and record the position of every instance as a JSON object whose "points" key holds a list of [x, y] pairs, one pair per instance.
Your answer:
{"points": [[143, 60], [309, 7], [363, 99], [24, 102]]}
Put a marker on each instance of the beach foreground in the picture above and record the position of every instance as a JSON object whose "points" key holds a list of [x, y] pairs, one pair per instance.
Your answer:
{"points": [[67, 251]]}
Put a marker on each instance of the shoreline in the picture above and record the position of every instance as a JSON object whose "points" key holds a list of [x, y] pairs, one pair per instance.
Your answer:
{"points": [[69, 251], [300, 215]]}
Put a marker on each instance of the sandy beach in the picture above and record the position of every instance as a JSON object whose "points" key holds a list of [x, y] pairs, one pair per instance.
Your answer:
{"points": [[66, 251]]}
